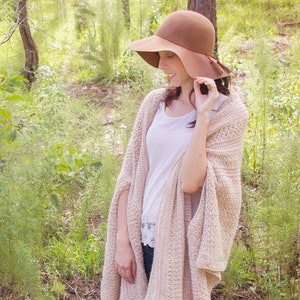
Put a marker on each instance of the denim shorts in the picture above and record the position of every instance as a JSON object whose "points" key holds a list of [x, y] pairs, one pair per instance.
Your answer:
{"points": [[148, 253]]}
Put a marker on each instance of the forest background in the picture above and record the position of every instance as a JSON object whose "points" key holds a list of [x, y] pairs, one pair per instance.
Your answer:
{"points": [[62, 141]]}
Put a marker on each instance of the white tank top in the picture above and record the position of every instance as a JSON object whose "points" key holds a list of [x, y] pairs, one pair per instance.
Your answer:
{"points": [[167, 138]]}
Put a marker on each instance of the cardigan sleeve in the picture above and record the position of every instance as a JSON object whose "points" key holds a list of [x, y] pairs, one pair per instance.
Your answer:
{"points": [[110, 285], [222, 188], [111, 281]]}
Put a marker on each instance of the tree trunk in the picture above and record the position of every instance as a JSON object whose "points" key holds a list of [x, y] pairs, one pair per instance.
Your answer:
{"points": [[31, 52], [126, 13], [208, 9]]}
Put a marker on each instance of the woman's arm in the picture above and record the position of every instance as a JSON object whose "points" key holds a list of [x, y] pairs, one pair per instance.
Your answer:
{"points": [[195, 159], [125, 259]]}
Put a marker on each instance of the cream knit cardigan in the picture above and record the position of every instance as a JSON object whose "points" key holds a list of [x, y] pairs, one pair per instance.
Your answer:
{"points": [[190, 252]]}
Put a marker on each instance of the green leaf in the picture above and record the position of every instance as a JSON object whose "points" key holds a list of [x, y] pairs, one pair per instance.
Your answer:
{"points": [[54, 200], [96, 165], [64, 167], [79, 162], [14, 98], [80, 184], [69, 161], [64, 176], [5, 114], [85, 11]]}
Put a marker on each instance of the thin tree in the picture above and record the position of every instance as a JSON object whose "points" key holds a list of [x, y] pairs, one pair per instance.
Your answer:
{"points": [[31, 51], [207, 8], [126, 13]]}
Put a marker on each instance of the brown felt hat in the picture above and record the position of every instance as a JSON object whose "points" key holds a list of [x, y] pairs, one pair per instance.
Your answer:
{"points": [[189, 35]]}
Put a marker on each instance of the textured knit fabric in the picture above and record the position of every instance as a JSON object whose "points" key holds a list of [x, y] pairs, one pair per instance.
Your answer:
{"points": [[190, 252], [166, 140]]}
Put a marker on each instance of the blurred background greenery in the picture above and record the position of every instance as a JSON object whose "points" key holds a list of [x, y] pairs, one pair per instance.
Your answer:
{"points": [[62, 141]]}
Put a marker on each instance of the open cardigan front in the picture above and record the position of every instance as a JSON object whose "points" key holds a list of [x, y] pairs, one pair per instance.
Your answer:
{"points": [[190, 251]]}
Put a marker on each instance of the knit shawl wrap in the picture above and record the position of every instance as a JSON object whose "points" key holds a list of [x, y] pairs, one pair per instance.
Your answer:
{"points": [[190, 252]]}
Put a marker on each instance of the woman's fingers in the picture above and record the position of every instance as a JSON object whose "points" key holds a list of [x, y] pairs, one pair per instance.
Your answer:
{"points": [[129, 275], [205, 102], [133, 269], [126, 273], [210, 83], [125, 263]]}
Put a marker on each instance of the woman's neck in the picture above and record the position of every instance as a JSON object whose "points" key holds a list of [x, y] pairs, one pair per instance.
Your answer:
{"points": [[186, 92], [187, 96], [182, 105]]}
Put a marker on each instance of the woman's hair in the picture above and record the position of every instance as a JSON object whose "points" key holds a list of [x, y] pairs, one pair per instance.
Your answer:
{"points": [[221, 83]]}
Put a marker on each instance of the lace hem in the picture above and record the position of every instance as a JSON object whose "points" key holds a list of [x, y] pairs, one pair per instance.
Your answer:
{"points": [[148, 237]]}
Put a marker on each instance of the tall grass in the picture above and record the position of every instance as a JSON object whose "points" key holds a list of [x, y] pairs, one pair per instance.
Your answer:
{"points": [[23, 183], [61, 147], [265, 259]]}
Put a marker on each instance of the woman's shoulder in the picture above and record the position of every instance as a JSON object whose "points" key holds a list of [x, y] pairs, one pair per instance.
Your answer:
{"points": [[155, 94], [229, 112], [230, 118], [234, 105], [238, 105]]}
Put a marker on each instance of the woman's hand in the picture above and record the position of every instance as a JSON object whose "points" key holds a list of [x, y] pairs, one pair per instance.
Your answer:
{"points": [[125, 261], [195, 160], [204, 103]]}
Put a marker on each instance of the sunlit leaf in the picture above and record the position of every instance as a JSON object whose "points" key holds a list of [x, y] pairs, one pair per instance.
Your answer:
{"points": [[5, 114], [14, 98]]}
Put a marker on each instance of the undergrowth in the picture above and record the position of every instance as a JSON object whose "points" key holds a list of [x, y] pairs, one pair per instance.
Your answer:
{"points": [[60, 151]]}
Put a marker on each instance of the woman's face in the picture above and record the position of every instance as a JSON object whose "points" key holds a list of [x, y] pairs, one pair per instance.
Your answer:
{"points": [[171, 64]]}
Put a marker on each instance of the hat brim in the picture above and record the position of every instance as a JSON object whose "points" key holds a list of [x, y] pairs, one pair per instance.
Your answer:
{"points": [[195, 63]]}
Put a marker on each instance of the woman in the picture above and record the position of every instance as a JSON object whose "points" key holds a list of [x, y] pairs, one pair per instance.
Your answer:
{"points": [[176, 205]]}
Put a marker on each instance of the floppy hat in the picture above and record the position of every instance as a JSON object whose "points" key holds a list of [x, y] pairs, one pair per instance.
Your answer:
{"points": [[191, 36]]}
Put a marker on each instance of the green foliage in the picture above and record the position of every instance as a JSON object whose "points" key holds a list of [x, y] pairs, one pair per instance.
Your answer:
{"points": [[61, 148], [23, 181], [239, 274], [264, 63], [11, 86], [69, 256], [273, 216], [43, 178], [72, 169]]}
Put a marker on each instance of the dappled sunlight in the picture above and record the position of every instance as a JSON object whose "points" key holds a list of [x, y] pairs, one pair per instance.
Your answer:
{"points": [[62, 142]]}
